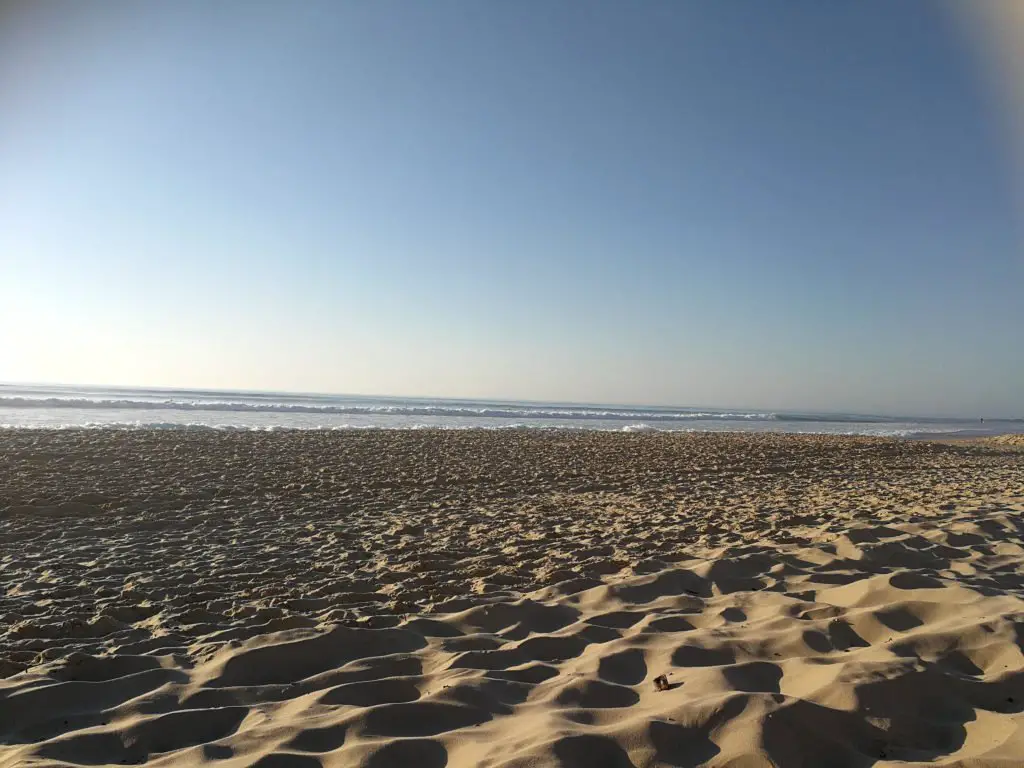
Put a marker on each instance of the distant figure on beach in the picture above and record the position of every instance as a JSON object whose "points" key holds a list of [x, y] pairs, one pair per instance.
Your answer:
{"points": [[982, 420]]}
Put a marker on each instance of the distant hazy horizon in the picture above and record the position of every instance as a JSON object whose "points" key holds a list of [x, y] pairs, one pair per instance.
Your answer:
{"points": [[789, 206]]}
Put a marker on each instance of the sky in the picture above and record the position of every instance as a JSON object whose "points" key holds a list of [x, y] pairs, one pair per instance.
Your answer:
{"points": [[786, 204]]}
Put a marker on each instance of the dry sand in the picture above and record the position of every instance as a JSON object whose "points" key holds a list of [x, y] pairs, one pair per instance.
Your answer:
{"points": [[508, 599]]}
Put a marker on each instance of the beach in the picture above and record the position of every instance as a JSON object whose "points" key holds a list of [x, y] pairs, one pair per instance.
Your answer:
{"points": [[428, 597]]}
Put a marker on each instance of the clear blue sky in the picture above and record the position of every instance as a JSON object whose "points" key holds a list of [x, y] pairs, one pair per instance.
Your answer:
{"points": [[778, 204]]}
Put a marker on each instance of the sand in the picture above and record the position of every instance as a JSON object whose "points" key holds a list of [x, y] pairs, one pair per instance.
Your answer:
{"points": [[508, 599], [1015, 440]]}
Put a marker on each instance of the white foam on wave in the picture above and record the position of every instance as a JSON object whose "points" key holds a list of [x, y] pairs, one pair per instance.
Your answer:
{"points": [[197, 425], [91, 408], [406, 409], [344, 427]]}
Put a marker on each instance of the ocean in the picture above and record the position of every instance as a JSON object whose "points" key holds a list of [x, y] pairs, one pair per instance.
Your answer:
{"points": [[123, 408]]}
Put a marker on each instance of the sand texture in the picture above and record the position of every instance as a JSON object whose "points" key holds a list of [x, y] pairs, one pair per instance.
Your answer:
{"points": [[1017, 440], [486, 599]]}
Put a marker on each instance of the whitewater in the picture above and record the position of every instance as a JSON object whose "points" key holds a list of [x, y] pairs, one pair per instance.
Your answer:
{"points": [[40, 406]]}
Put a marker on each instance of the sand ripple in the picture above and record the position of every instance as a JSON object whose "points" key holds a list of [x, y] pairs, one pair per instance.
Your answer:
{"points": [[479, 599]]}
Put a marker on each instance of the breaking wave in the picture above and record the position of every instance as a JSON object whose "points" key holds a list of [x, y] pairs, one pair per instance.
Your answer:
{"points": [[458, 410]]}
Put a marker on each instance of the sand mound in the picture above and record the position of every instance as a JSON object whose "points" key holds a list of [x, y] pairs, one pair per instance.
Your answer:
{"points": [[1017, 440], [835, 659], [870, 624]]}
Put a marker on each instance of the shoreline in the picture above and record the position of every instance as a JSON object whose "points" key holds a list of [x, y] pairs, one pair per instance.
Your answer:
{"points": [[950, 436]]}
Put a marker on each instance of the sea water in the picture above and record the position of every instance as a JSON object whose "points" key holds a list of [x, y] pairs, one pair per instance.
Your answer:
{"points": [[96, 407]]}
